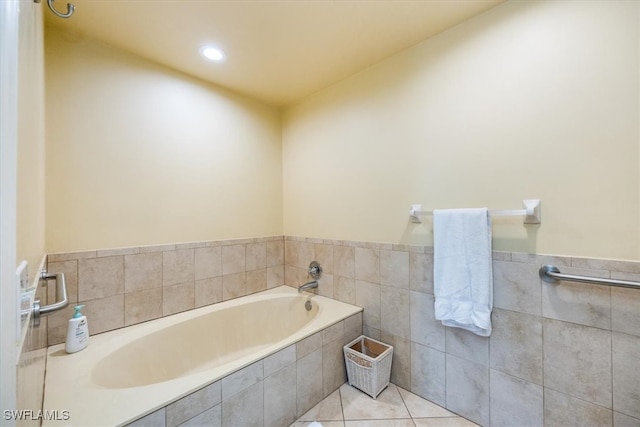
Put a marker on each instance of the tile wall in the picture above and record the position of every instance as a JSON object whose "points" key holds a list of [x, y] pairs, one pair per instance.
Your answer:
{"points": [[559, 355], [272, 392], [122, 287], [563, 354]]}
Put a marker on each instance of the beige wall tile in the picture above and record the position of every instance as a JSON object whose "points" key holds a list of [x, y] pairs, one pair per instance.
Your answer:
{"points": [[425, 329], [275, 276], [517, 287], [626, 375], [625, 315], [606, 264], [515, 402], [367, 264], [309, 383], [428, 373], [275, 253], [394, 311], [117, 251], [193, 404], [467, 345], [208, 262], [242, 379], [279, 360], [468, 389], [333, 333], [394, 268], [104, 314], [353, 326], [208, 291], [421, 272], [581, 303], [344, 261], [563, 410], [325, 285], [68, 256], [234, 286], [210, 418], [298, 254], [141, 306], [280, 397], [177, 267], [142, 271], [368, 297], [345, 290], [295, 276], [256, 280], [245, 408], [178, 298], [334, 372], [516, 345], [256, 256], [233, 259], [622, 420], [401, 363], [57, 324], [157, 248], [100, 277], [577, 361], [309, 345]]}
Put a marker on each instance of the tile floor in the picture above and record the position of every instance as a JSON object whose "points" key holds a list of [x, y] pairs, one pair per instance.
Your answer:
{"points": [[395, 407]]}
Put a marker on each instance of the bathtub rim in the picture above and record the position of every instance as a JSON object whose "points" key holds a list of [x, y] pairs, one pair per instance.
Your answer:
{"points": [[67, 372]]}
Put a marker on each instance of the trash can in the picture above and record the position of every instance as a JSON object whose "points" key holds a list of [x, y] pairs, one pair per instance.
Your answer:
{"points": [[368, 364]]}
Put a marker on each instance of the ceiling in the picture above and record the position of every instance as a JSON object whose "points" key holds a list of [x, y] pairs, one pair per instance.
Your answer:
{"points": [[276, 51]]}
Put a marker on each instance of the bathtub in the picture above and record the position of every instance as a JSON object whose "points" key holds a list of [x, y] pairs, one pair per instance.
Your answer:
{"points": [[127, 373]]}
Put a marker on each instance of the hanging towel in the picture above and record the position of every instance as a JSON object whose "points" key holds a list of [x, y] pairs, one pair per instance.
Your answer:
{"points": [[463, 278]]}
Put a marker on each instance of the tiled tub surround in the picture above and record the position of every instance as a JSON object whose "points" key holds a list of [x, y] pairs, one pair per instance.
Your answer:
{"points": [[272, 392], [122, 287], [196, 354], [559, 355]]}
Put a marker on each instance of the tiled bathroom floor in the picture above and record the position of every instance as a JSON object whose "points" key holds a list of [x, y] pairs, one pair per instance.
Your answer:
{"points": [[395, 407]]}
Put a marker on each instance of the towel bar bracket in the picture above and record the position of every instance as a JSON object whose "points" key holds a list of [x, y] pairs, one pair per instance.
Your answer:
{"points": [[62, 300]]}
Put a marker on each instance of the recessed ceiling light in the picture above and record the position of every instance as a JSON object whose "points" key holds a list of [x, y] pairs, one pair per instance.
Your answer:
{"points": [[212, 53]]}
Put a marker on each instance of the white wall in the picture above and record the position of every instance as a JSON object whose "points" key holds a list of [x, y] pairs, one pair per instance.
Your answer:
{"points": [[139, 154], [527, 100]]}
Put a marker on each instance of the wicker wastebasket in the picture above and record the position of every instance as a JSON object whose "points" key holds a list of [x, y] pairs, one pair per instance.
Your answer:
{"points": [[368, 364]]}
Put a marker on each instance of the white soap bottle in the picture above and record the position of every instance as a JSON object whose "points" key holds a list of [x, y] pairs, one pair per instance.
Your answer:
{"points": [[77, 332]]}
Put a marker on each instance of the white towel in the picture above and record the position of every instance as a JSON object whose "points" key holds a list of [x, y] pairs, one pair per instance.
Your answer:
{"points": [[463, 278]]}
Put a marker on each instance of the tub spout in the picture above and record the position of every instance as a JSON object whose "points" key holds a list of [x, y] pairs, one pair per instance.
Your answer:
{"points": [[309, 285]]}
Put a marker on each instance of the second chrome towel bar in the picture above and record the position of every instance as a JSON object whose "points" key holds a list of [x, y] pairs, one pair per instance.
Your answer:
{"points": [[551, 274]]}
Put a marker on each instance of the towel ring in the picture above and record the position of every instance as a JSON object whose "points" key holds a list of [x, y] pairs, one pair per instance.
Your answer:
{"points": [[70, 9]]}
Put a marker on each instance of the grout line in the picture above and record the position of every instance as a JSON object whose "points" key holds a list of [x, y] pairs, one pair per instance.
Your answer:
{"points": [[341, 404]]}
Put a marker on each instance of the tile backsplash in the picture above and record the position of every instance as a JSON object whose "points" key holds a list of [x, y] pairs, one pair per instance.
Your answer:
{"points": [[122, 287], [565, 354]]}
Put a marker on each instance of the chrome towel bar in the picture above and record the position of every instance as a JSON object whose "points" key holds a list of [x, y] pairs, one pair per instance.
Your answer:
{"points": [[61, 291], [551, 274]]}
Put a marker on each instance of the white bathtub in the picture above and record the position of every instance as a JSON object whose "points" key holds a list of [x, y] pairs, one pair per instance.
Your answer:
{"points": [[130, 372]]}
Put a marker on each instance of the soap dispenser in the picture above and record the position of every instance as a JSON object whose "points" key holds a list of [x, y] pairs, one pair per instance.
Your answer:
{"points": [[77, 331]]}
